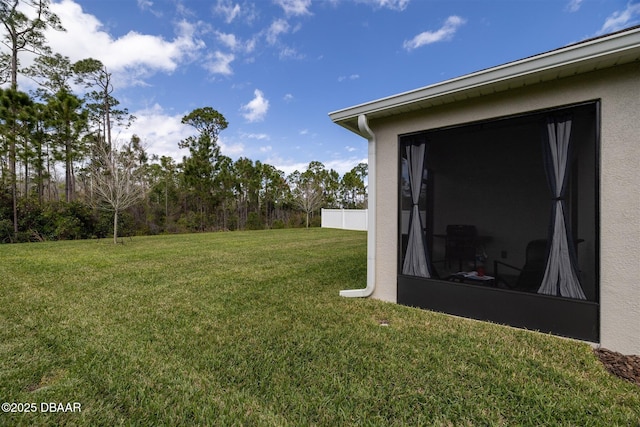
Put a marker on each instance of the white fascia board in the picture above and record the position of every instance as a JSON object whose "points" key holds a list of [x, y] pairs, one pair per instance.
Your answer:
{"points": [[586, 56]]}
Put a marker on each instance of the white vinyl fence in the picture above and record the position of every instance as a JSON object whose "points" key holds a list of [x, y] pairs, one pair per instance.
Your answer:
{"points": [[346, 219]]}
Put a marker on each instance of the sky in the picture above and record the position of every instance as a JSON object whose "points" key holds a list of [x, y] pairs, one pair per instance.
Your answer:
{"points": [[276, 68]]}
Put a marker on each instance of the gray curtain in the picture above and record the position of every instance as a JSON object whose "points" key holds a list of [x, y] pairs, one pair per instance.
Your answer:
{"points": [[416, 260], [561, 273]]}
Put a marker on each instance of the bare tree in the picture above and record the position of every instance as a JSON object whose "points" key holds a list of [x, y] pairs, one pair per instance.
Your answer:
{"points": [[306, 192], [116, 180]]}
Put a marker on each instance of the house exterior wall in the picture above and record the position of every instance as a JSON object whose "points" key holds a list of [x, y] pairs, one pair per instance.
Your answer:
{"points": [[618, 88]]}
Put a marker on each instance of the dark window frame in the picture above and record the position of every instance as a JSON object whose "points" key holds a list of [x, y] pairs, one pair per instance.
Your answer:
{"points": [[566, 317]]}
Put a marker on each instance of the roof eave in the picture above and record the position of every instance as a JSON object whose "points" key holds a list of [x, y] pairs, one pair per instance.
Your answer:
{"points": [[575, 59]]}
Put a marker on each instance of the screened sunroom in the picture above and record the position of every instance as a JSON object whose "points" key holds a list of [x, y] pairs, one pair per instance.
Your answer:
{"points": [[498, 220], [512, 194]]}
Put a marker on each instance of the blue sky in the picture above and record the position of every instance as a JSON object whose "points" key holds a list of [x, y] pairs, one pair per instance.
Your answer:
{"points": [[275, 68]]}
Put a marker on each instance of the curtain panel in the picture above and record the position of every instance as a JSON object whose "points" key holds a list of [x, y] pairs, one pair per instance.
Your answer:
{"points": [[561, 272], [416, 259]]}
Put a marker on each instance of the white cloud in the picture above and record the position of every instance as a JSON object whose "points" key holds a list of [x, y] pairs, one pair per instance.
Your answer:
{"points": [[233, 150], [258, 136], [148, 5], [294, 7], [343, 166], [399, 5], [574, 5], [351, 77], [288, 97], [158, 130], [130, 56], [161, 132], [288, 166], [279, 26], [256, 109], [290, 53], [232, 42], [144, 4], [445, 32], [228, 9], [228, 40], [244, 13], [141, 50], [266, 149], [250, 45], [220, 63], [621, 19]]}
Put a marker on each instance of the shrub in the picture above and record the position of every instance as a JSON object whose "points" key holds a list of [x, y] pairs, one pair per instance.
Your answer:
{"points": [[254, 221], [277, 224], [68, 228], [6, 231], [31, 215]]}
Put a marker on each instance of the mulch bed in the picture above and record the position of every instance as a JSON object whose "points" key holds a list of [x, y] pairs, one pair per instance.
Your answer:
{"points": [[627, 367]]}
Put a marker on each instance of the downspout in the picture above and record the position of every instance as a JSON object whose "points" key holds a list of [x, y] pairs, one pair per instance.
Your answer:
{"points": [[363, 125]]}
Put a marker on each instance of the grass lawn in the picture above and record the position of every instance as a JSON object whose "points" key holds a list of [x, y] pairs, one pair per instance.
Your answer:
{"points": [[247, 328]]}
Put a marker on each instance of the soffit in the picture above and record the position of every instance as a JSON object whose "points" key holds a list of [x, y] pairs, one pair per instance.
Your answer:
{"points": [[590, 55]]}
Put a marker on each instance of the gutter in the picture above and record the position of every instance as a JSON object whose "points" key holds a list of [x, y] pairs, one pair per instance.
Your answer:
{"points": [[365, 131]]}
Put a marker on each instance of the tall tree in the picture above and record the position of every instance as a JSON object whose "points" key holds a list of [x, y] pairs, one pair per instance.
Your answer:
{"points": [[5, 68], [100, 102], [25, 33], [225, 187], [166, 185], [25, 149], [274, 192], [247, 188], [68, 122], [24, 23], [40, 140], [327, 180], [353, 188], [52, 73], [201, 166], [14, 117]]}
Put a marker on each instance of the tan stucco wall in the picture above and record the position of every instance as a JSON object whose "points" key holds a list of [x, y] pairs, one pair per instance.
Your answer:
{"points": [[619, 91]]}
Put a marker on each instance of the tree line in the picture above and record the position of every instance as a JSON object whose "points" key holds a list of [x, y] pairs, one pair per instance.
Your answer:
{"points": [[63, 176]]}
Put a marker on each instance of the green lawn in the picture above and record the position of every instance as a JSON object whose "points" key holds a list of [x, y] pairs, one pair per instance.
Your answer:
{"points": [[247, 328]]}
